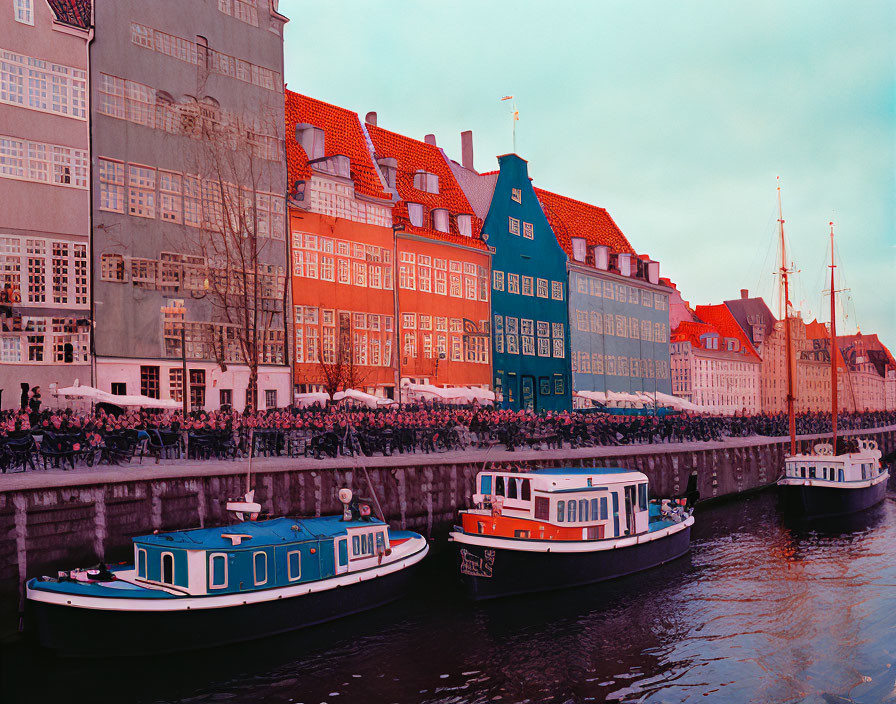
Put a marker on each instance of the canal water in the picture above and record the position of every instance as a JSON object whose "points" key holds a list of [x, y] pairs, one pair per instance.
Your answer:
{"points": [[760, 611]]}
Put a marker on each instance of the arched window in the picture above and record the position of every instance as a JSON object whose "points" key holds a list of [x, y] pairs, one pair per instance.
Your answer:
{"points": [[583, 509], [511, 488], [167, 568], [260, 560], [217, 570], [595, 512], [141, 563], [526, 492], [561, 506], [571, 511], [68, 353]]}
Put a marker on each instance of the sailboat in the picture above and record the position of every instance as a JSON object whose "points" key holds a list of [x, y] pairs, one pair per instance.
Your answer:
{"points": [[837, 478]]}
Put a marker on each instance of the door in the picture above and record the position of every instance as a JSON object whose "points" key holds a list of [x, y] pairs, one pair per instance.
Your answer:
{"points": [[527, 393], [615, 513], [341, 555], [630, 509]]}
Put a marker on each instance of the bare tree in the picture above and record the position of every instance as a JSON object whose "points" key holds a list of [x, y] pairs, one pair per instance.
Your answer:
{"points": [[242, 224], [341, 367]]}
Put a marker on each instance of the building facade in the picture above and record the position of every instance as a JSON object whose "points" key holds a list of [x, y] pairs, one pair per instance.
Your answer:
{"points": [[44, 180], [340, 220], [618, 311], [188, 204], [714, 365], [530, 313], [443, 266]]}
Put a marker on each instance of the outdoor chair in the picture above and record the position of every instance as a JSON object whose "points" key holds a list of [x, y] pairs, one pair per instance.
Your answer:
{"points": [[58, 450], [18, 452], [164, 444]]}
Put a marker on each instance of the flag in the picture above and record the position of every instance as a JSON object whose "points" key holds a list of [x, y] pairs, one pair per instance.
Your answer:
{"points": [[516, 114], [506, 97]]}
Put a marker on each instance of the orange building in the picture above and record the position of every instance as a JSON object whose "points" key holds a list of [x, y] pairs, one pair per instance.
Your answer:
{"points": [[340, 224], [443, 265]]}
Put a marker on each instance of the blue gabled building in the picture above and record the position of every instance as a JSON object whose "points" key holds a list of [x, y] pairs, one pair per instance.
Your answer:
{"points": [[530, 313]]}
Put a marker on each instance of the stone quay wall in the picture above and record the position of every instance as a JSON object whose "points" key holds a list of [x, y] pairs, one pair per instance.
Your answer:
{"points": [[56, 520]]}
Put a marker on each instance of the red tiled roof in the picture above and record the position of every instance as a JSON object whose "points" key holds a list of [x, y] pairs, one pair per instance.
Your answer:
{"points": [[411, 156], [570, 218], [719, 316], [72, 12], [342, 135], [691, 331]]}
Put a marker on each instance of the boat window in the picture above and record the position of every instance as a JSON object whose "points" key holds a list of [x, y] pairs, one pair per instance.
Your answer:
{"points": [[482, 526], [583, 509], [604, 513], [167, 568], [217, 570], [812, 472], [526, 492], [485, 484], [380, 543], [803, 472], [642, 496], [520, 534], [560, 506], [260, 560], [499, 486], [343, 552], [840, 474], [511, 487], [141, 563], [595, 510], [863, 472], [571, 511], [294, 565], [542, 508]]}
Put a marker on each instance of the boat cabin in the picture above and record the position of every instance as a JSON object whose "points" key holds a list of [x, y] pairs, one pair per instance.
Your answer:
{"points": [[824, 465], [258, 555], [560, 504]]}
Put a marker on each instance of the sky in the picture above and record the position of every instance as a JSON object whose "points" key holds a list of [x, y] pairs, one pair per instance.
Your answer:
{"points": [[677, 117]]}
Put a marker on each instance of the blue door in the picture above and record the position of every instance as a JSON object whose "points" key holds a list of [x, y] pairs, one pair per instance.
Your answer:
{"points": [[527, 393]]}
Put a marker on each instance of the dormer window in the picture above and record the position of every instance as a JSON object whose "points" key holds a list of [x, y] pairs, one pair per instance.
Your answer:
{"points": [[415, 213], [579, 248], [425, 181], [465, 225], [388, 167], [440, 219], [311, 139]]}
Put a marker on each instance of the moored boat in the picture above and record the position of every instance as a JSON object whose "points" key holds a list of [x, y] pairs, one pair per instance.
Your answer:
{"points": [[825, 485], [564, 527], [192, 589]]}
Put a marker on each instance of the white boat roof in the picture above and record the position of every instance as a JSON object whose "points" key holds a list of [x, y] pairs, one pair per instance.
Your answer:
{"points": [[571, 478]]}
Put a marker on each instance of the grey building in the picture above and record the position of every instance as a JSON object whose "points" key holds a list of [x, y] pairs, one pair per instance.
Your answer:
{"points": [[187, 132], [44, 196]]}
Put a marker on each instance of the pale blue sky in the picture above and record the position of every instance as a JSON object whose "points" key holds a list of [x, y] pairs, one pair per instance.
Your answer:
{"points": [[675, 116]]}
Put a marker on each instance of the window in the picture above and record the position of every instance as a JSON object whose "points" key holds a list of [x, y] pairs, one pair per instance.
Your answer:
{"points": [[167, 568], [415, 214], [528, 231], [270, 398], [149, 381], [51, 87], [557, 290], [516, 195], [24, 11], [527, 286], [513, 226], [498, 280], [141, 563], [260, 567], [604, 513], [513, 283], [197, 389], [111, 185], [217, 570], [571, 511], [170, 198], [561, 507]]}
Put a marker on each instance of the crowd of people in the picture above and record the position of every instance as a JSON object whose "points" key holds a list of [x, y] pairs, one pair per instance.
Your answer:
{"points": [[428, 427]]}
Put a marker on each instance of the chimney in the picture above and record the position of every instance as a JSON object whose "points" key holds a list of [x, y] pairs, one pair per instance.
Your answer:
{"points": [[370, 118], [744, 293], [430, 139], [466, 149]]}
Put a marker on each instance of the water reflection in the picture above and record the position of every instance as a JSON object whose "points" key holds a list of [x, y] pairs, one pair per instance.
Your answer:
{"points": [[761, 610]]}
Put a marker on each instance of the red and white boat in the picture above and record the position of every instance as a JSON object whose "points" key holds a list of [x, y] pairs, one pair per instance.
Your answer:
{"points": [[564, 527]]}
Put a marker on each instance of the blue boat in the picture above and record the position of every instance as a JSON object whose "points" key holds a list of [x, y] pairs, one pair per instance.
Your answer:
{"points": [[193, 589]]}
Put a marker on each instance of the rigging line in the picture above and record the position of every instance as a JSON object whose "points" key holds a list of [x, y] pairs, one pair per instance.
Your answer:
{"points": [[770, 238]]}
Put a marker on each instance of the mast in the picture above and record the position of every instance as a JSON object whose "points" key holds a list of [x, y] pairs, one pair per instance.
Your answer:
{"points": [[833, 349], [785, 305]]}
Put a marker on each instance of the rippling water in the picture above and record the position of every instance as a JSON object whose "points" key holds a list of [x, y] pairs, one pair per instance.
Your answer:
{"points": [[760, 611]]}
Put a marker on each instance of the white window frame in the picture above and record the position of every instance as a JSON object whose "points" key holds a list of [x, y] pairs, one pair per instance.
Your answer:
{"points": [[173, 581], [255, 571], [25, 11], [289, 575], [211, 570]]}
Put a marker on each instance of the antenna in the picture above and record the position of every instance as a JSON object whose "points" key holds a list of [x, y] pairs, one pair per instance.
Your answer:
{"points": [[514, 116]]}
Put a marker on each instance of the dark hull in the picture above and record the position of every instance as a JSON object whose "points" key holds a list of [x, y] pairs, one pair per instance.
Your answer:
{"points": [[826, 501], [77, 632], [518, 572]]}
